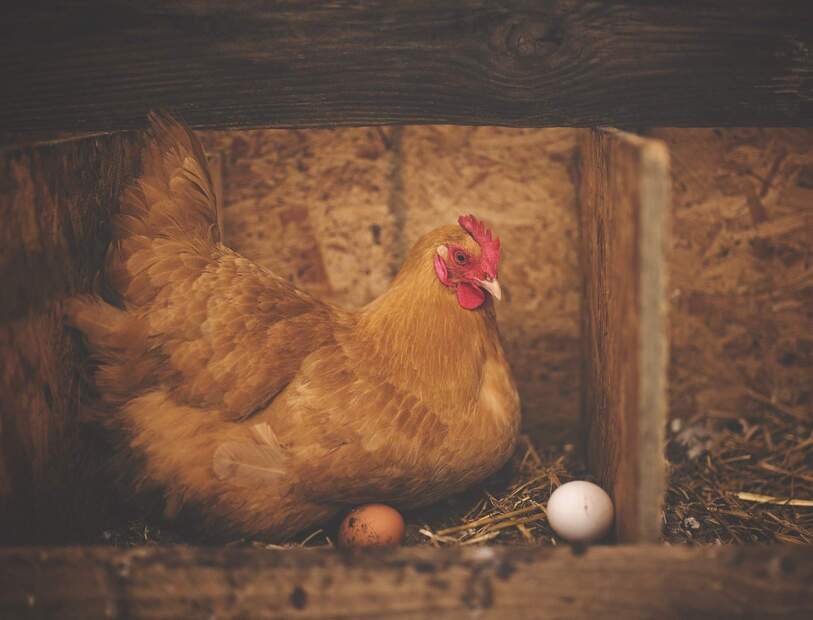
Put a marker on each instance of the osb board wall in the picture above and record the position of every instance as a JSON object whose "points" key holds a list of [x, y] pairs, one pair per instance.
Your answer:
{"points": [[337, 210], [741, 271]]}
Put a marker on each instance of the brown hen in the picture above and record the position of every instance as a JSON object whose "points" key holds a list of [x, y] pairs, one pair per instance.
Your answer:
{"points": [[264, 410]]}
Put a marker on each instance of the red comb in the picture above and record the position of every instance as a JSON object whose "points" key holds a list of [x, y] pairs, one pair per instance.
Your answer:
{"points": [[490, 257]]}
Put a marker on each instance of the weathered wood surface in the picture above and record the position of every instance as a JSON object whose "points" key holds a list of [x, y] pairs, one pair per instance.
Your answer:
{"points": [[624, 195], [90, 66], [55, 207], [497, 582]]}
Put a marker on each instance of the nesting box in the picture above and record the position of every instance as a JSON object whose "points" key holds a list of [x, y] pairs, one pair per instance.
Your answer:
{"points": [[599, 310]]}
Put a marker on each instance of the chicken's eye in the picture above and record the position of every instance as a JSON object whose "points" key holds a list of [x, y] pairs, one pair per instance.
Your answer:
{"points": [[460, 258]]}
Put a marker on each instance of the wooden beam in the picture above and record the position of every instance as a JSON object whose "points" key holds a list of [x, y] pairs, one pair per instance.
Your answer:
{"points": [[93, 65], [624, 208], [486, 582]]}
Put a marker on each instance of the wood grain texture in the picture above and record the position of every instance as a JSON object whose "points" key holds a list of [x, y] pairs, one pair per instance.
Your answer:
{"points": [[99, 66], [624, 227], [55, 205], [605, 582]]}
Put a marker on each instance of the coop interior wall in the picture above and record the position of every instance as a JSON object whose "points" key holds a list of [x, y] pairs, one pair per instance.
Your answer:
{"points": [[741, 271], [336, 210]]}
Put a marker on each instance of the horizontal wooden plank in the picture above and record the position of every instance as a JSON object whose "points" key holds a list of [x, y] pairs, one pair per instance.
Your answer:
{"points": [[489, 582], [89, 65]]}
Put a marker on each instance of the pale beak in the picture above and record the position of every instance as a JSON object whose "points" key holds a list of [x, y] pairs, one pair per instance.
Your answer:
{"points": [[492, 286]]}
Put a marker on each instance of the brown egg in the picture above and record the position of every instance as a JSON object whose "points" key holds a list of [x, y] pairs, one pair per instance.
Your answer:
{"points": [[372, 525]]}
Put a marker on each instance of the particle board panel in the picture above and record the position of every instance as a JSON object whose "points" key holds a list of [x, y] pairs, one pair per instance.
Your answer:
{"points": [[624, 214], [741, 272], [312, 205]]}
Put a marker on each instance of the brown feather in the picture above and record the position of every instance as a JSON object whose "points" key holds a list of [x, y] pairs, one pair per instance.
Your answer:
{"points": [[264, 459], [233, 459]]}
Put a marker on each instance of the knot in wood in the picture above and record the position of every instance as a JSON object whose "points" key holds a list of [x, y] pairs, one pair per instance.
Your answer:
{"points": [[525, 44], [532, 38]]}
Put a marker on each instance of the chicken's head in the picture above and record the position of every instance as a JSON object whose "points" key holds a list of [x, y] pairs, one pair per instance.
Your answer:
{"points": [[470, 266]]}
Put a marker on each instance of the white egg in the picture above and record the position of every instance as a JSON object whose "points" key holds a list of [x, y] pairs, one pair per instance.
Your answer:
{"points": [[580, 511]]}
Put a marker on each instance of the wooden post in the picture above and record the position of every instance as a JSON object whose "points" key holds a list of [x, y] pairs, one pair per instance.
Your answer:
{"points": [[624, 196]]}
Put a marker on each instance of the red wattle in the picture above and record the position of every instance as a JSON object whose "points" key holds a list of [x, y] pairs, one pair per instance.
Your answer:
{"points": [[470, 296]]}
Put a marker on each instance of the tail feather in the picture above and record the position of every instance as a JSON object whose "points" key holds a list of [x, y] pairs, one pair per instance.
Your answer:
{"points": [[171, 205], [174, 197], [121, 361], [106, 328]]}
